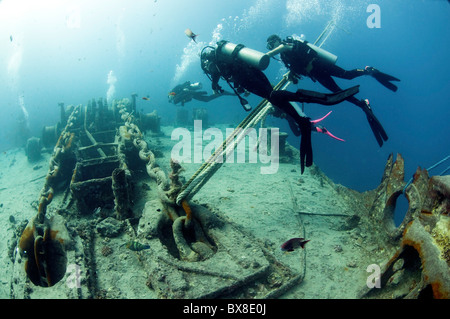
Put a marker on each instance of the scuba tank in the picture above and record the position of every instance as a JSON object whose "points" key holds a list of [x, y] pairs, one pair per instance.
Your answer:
{"points": [[231, 51], [254, 58], [196, 86], [323, 54]]}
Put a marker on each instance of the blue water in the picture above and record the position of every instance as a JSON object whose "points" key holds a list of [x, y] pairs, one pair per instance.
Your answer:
{"points": [[63, 51]]}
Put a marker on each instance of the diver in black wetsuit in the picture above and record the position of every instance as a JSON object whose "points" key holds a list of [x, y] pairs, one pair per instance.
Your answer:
{"points": [[302, 60], [246, 77], [186, 92]]}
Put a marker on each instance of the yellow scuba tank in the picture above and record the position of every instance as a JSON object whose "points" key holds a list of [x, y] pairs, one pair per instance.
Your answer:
{"points": [[254, 58]]}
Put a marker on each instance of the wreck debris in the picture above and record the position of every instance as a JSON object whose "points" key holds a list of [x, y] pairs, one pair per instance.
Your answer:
{"points": [[120, 191], [387, 193], [33, 149], [187, 244], [44, 247], [91, 158], [201, 114], [421, 261], [44, 241], [226, 259], [150, 121]]}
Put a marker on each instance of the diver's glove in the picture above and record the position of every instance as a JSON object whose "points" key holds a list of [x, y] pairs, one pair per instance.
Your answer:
{"points": [[293, 77], [217, 88]]}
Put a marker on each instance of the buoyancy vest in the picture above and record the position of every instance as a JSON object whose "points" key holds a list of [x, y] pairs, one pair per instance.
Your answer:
{"points": [[300, 58]]}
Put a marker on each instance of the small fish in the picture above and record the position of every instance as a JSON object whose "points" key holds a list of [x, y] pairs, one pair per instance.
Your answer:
{"points": [[145, 98], [172, 94], [293, 244], [135, 246], [190, 34], [10, 38]]}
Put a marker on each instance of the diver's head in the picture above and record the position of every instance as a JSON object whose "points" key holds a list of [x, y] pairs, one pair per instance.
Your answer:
{"points": [[273, 41], [207, 56]]}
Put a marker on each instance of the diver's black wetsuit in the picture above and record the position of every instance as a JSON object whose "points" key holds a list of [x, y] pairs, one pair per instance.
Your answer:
{"points": [[184, 93], [309, 64], [245, 77], [303, 61]]}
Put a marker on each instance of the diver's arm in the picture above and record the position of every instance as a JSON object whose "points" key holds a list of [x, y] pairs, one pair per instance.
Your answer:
{"points": [[279, 49], [217, 89]]}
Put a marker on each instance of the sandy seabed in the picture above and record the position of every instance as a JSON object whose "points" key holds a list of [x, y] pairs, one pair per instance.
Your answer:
{"points": [[269, 209]]}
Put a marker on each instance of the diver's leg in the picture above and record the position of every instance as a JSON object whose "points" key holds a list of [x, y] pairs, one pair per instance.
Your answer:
{"points": [[201, 96], [293, 125], [254, 81], [304, 125], [307, 96], [326, 98], [328, 82], [339, 72], [383, 78], [375, 125], [323, 69]]}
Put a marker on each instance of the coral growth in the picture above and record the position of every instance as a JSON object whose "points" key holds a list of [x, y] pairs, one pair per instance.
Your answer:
{"points": [[106, 251]]}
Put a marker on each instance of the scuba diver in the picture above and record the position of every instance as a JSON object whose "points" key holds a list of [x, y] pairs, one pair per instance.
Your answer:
{"points": [[186, 92], [305, 59], [243, 67]]}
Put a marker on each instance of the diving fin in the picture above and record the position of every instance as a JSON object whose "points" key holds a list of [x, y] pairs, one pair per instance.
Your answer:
{"points": [[326, 98], [306, 155], [375, 125], [293, 125], [383, 78]]}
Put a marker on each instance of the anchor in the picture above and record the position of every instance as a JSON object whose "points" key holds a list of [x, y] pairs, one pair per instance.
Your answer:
{"points": [[43, 245]]}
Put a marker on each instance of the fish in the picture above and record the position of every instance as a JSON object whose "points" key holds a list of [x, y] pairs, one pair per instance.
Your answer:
{"points": [[172, 94], [190, 34], [293, 244], [145, 98], [10, 38], [136, 246]]}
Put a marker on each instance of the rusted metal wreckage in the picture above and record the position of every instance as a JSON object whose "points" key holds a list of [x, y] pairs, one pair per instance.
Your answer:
{"points": [[92, 178], [93, 183], [420, 265]]}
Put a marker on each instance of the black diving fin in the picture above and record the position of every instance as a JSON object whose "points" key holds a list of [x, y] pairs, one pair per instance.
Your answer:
{"points": [[306, 154], [326, 98], [383, 78], [375, 125]]}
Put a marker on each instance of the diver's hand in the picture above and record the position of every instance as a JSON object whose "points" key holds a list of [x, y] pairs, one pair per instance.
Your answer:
{"points": [[292, 77], [217, 89]]}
